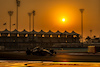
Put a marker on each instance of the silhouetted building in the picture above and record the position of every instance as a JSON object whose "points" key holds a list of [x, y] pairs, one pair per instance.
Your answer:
{"points": [[26, 39]]}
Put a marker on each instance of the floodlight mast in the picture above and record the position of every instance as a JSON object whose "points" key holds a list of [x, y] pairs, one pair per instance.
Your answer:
{"points": [[33, 24], [91, 33], [18, 4], [33, 18], [81, 10], [29, 21], [10, 14]]}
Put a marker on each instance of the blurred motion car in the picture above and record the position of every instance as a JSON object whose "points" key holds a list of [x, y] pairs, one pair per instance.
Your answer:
{"points": [[40, 51]]}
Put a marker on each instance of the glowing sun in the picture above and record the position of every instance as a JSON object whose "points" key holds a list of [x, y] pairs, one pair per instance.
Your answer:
{"points": [[63, 19]]}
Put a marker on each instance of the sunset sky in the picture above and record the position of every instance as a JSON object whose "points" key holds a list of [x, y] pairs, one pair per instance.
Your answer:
{"points": [[49, 15]]}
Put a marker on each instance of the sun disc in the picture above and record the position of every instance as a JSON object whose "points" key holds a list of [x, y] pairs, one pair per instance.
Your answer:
{"points": [[63, 19]]}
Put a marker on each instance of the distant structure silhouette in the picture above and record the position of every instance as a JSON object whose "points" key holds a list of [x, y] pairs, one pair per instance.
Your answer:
{"points": [[18, 4], [29, 21], [33, 18], [19, 40], [10, 14], [91, 33], [81, 10]]}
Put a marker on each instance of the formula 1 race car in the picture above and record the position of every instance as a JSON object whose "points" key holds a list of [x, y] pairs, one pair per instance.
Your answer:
{"points": [[40, 51]]}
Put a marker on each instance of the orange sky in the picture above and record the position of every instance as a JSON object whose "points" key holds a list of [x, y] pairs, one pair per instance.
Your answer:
{"points": [[49, 14]]}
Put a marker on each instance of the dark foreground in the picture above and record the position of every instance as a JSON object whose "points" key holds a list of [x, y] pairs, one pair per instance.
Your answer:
{"points": [[58, 57]]}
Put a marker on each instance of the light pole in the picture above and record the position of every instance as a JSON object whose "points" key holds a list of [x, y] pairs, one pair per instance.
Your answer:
{"points": [[81, 10], [18, 4], [33, 25], [10, 14], [91, 33], [29, 21], [33, 18]]}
